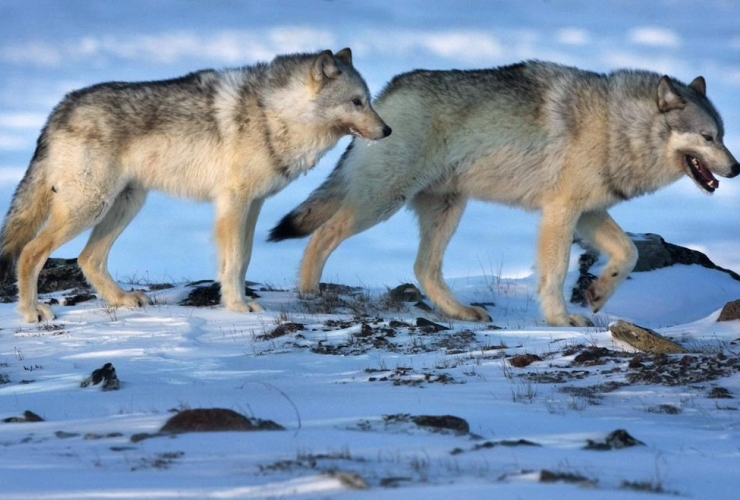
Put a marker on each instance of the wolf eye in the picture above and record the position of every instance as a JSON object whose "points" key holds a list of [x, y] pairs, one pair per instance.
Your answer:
{"points": [[357, 101], [707, 137]]}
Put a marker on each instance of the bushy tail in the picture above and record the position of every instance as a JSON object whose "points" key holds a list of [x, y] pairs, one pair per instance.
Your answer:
{"points": [[28, 212], [317, 209]]}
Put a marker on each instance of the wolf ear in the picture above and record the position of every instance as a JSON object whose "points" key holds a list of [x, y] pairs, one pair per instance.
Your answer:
{"points": [[699, 85], [668, 98], [324, 67], [345, 55]]}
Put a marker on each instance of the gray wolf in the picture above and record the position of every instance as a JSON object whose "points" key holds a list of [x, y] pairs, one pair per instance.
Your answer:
{"points": [[234, 137], [537, 135]]}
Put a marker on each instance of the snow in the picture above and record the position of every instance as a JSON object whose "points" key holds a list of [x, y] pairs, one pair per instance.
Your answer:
{"points": [[169, 357]]}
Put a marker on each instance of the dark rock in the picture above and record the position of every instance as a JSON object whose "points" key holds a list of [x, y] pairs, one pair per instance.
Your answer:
{"points": [[443, 422], [78, 297], [209, 295], [522, 360], [56, 275], [28, 416], [216, 419], [719, 393], [730, 312], [614, 441], [406, 292], [423, 306], [653, 253], [65, 435], [281, 330], [105, 374], [429, 326]]}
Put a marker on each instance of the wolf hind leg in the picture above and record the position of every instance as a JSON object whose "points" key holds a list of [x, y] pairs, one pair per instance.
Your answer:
{"points": [[71, 213], [439, 215], [553, 252], [347, 221], [94, 257], [599, 229]]}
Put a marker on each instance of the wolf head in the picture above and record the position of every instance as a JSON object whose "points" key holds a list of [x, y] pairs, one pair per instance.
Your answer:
{"points": [[342, 99], [695, 133]]}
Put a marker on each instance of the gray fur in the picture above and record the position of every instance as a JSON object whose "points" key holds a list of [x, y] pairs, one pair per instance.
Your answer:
{"points": [[541, 136], [234, 137]]}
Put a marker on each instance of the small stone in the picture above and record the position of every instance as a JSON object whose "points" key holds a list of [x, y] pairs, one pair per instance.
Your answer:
{"points": [[523, 360]]}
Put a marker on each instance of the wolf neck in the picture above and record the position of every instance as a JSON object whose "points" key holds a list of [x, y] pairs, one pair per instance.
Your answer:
{"points": [[637, 157], [297, 141]]}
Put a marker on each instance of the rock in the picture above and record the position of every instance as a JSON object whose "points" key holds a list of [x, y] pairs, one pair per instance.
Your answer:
{"points": [[105, 374], [429, 326], [443, 422], [56, 275], [204, 295], [406, 292], [423, 306], [614, 441], [719, 393], [214, 420], [522, 360], [653, 253], [78, 296], [730, 312], [28, 416], [643, 338]]}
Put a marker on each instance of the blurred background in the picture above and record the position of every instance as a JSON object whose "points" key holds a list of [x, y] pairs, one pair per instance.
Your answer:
{"points": [[48, 48]]}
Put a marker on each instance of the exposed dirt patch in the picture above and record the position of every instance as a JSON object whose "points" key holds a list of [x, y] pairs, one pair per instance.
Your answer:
{"points": [[593, 356], [547, 476], [675, 370], [282, 330]]}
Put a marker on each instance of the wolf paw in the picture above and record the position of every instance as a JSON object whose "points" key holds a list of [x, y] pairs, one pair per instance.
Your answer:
{"points": [[596, 295], [244, 307], [579, 320], [131, 299], [473, 313], [38, 314], [569, 320]]}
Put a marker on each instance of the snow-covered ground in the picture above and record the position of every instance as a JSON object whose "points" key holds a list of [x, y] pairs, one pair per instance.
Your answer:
{"points": [[342, 389]]}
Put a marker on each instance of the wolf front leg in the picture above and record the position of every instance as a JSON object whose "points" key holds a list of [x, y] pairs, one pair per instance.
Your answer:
{"points": [[553, 253], [599, 229], [236, 217]]}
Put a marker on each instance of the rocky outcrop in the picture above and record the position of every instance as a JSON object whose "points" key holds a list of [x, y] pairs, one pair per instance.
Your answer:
{"points": [[653, 253]]}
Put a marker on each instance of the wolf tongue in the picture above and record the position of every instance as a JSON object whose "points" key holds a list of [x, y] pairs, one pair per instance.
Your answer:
{"points": [[711, 180]]}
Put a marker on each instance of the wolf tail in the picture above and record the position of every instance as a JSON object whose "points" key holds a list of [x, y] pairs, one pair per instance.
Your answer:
{"points": [[28, 212], [318, 207]]}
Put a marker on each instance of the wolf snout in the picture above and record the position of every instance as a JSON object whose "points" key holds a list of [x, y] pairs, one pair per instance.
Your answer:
{"points": [[388, 131], [734, 170]]}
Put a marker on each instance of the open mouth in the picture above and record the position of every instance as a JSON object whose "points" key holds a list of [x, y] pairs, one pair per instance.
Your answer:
{"points": [[357, 133], [701, 174]]}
